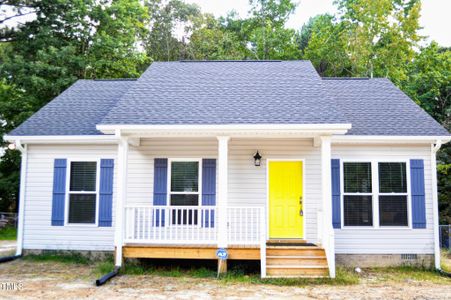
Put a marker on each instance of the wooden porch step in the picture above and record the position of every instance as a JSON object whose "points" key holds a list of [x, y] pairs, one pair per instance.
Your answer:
{"points": [[297, 271], [296, 267], [296, 260], [294, 251]]}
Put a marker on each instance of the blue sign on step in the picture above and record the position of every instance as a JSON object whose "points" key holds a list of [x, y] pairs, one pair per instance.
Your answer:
{"points": [[222, 254]]}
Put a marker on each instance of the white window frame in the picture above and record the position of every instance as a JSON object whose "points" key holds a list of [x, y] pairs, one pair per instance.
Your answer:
{"points": [[199, 184], [69, 192], [407, 194], [169, 187], [343, 193], [375, 193]]}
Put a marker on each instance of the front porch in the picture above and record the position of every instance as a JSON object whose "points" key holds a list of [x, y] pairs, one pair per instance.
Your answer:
{"points": [[236, 215]]}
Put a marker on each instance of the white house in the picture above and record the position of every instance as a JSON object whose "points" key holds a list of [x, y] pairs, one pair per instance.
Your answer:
{"points": [[263, 158]]}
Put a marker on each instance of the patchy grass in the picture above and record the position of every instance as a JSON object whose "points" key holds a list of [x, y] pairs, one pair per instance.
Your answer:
{"points": [[343, 277], [8, 233], [240, 273], [243, 273], [405, 274], [446, 260], [133, 268], [60, 257]]}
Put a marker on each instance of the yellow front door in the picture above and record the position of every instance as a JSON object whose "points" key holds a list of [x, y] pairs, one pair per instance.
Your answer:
{"points": [[286, 218]]}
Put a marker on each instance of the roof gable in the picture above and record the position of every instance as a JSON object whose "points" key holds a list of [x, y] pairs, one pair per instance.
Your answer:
{"points": [[226, 92]]}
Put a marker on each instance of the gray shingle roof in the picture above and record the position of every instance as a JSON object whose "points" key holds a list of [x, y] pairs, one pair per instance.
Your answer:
{"points": [[224, 92], [77, 110], [378, 107], [269, 92]]}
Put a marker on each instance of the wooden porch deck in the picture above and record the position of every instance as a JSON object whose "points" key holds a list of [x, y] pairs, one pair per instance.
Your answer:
{"points": [[236, 252]]}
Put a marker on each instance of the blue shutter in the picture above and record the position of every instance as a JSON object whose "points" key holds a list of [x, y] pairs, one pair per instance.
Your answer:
{"points": [[59, 191], [160, 188], [106, 192], [336, 197], [418, 195], [208, 190]]}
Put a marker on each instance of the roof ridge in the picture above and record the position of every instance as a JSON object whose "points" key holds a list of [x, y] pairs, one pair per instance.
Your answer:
{"points": [[113, 79], [346, 78], [229, 60]]}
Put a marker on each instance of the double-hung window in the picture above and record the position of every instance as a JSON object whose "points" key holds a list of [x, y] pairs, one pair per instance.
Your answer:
{"points": [[357, 196], [184, 191], [379, 199], [393, 194], [82, 192]]}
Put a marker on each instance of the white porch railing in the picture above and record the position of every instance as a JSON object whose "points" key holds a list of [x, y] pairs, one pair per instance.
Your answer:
{"points": [[192, 225]]}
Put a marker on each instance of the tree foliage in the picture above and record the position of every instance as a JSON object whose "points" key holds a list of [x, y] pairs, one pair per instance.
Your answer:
{"points": [[429, 84], [66, 41]]}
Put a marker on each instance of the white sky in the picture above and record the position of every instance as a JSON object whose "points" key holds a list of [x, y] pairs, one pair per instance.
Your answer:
{"points": [[435, 18]]}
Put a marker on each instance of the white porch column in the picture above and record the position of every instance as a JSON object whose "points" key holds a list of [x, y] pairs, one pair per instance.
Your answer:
{"points": [[328, 238], [121, 188], [223, 149]]}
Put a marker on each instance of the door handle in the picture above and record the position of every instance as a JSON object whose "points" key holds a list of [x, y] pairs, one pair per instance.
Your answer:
{"points": [[301, 213]]}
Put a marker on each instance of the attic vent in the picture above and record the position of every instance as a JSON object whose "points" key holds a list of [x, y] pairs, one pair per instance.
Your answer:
{"points": [[409, 256]]}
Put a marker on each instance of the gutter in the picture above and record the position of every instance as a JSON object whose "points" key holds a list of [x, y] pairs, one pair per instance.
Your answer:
{"points": [[294, 130], [63, 139]]}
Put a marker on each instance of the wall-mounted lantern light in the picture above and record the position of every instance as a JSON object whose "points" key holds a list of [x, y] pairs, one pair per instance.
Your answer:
{"points": [[12, 146], [257, 159]]}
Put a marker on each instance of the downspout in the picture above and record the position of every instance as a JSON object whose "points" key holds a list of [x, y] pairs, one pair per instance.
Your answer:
{"points": [[434, 149], [20, 223], [23, 180]]}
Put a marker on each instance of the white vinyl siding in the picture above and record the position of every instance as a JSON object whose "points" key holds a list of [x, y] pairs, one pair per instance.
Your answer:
{"points": [[247, 187], [38, 232], [386, 240]]}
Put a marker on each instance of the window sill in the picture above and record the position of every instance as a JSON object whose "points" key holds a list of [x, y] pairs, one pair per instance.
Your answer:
{"points": [[374, 228], [80, 225]]}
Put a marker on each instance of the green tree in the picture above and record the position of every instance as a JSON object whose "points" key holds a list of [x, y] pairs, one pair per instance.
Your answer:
{"points": [[323, 44], [380, 36], [67, 40], [113, 51], [265, 29], [429, 84], [168, 17], [211, 41]]}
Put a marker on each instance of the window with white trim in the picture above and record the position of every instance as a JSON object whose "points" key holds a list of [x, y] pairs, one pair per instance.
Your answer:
{"points": [[184, 190], [82, 192], [393, 208], [357, 196]]}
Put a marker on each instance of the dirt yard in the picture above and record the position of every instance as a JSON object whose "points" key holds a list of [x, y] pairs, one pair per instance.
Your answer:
{"points": [[51, 280]]}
